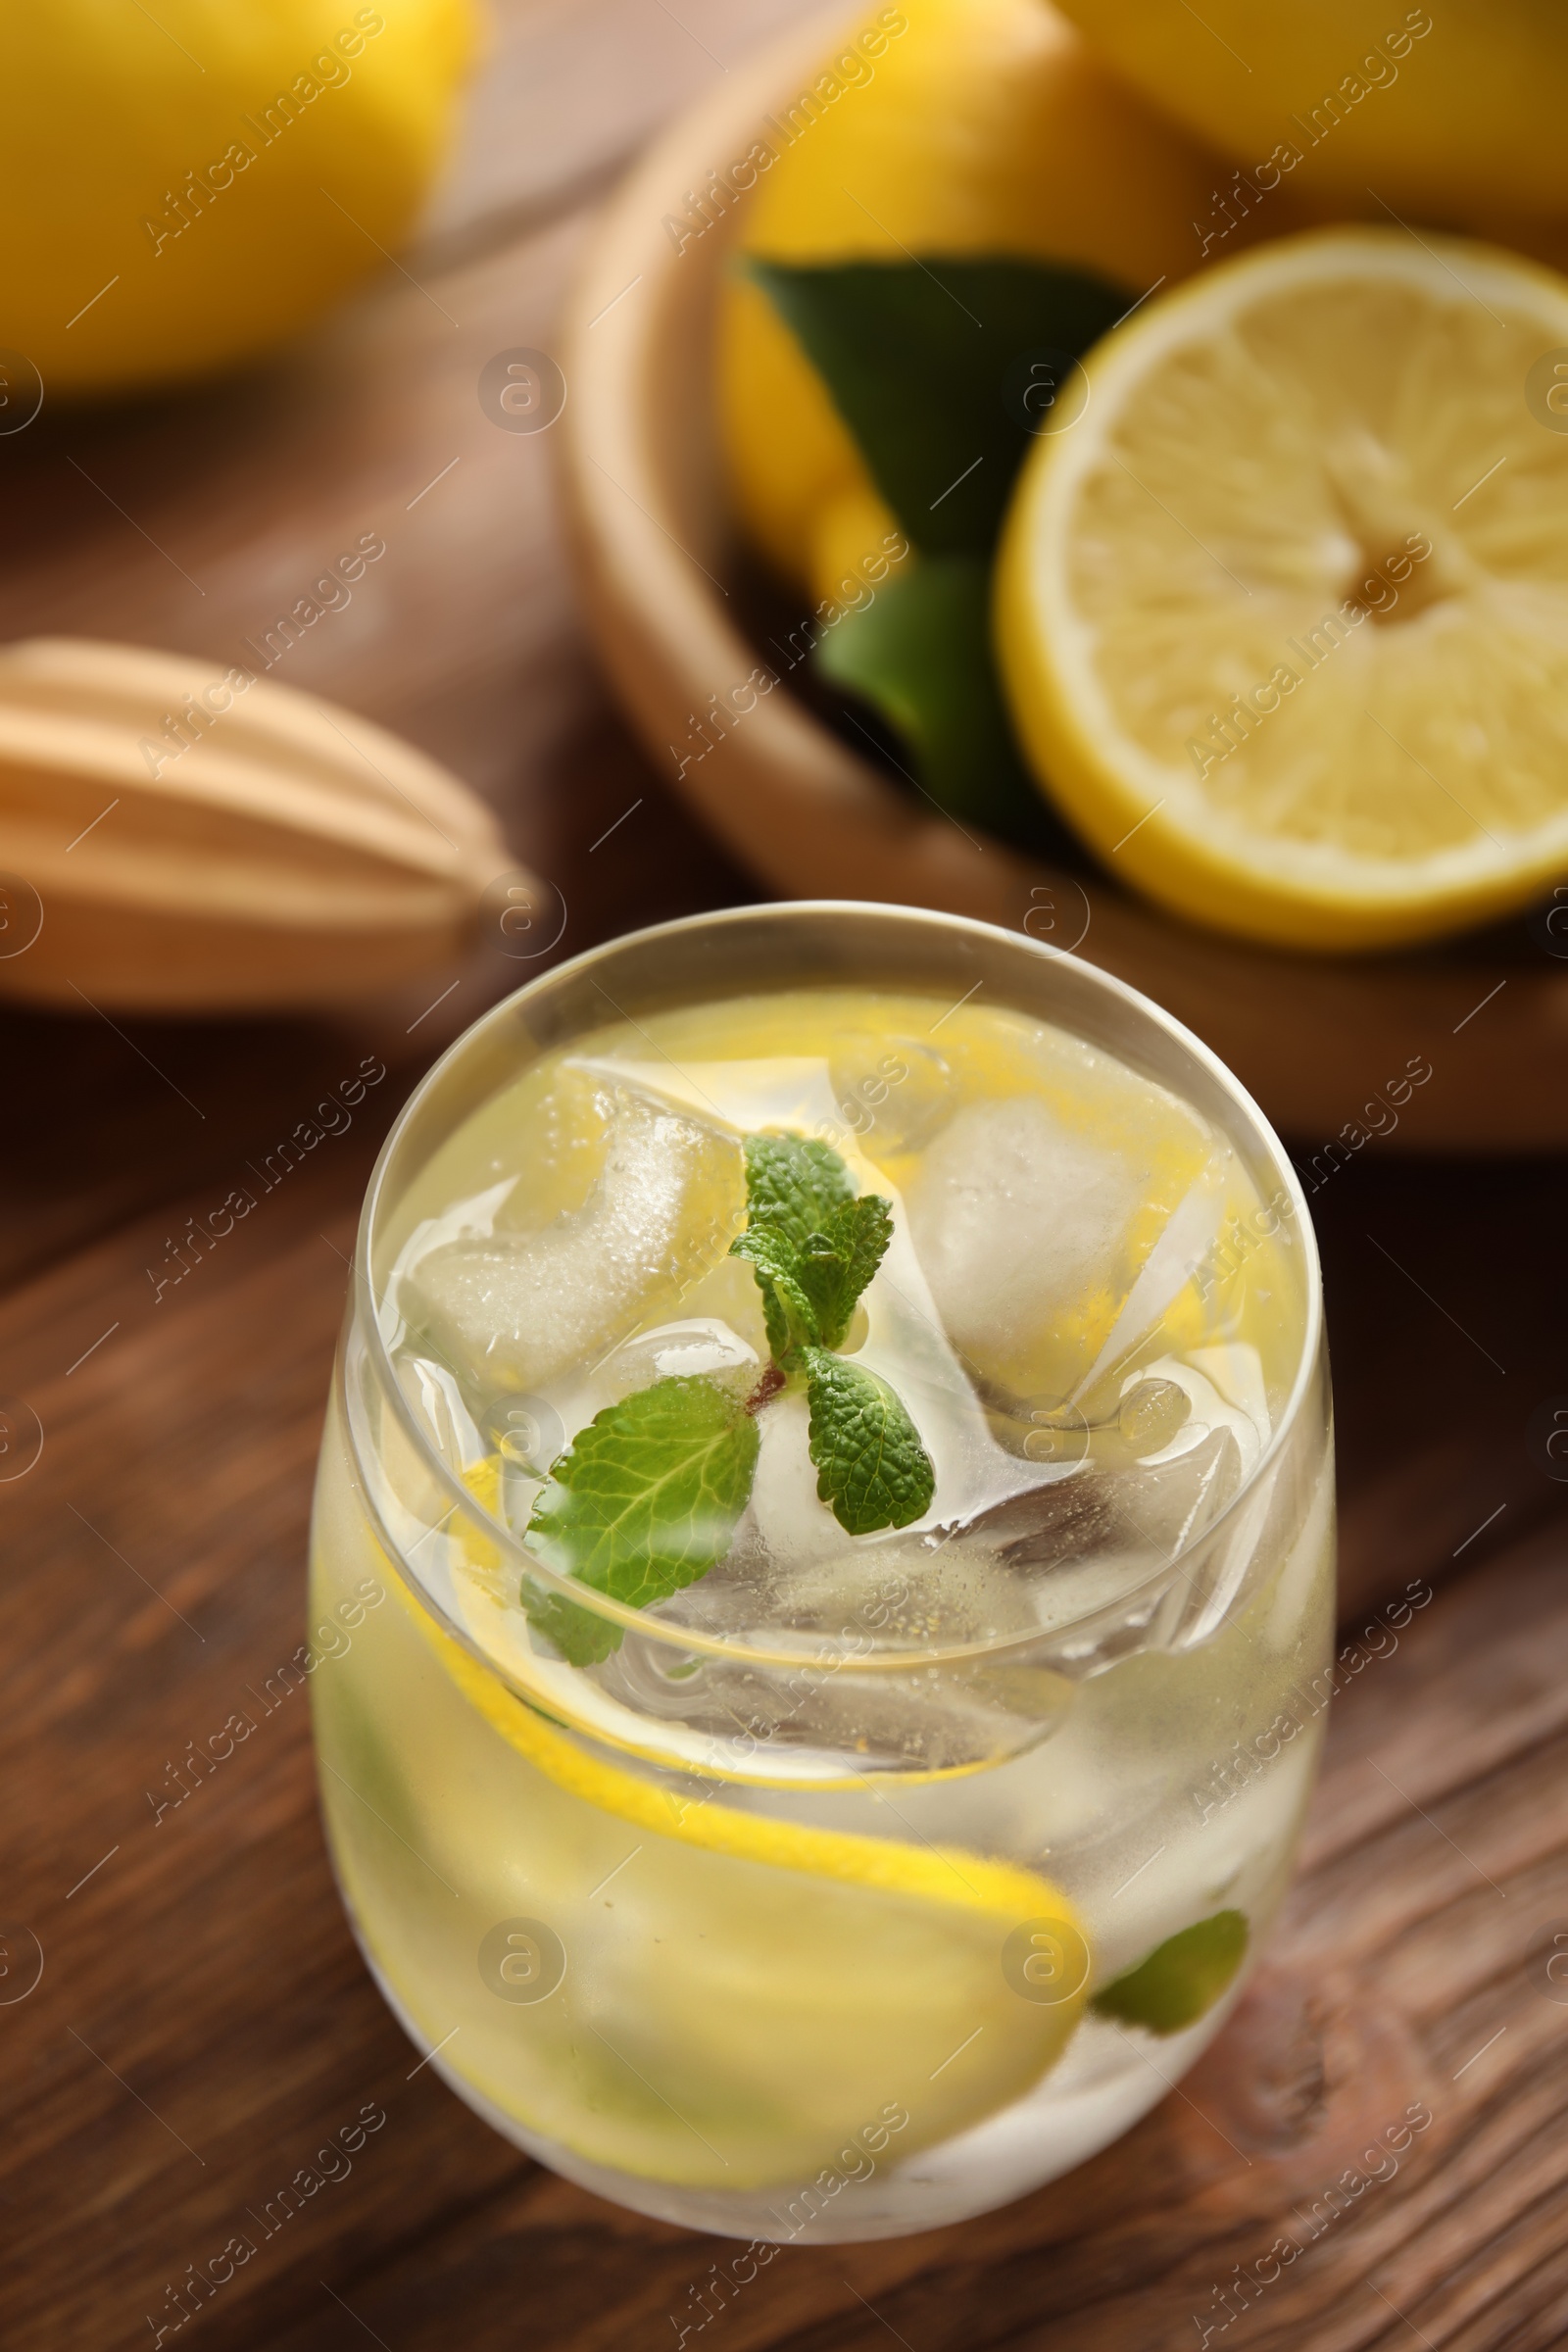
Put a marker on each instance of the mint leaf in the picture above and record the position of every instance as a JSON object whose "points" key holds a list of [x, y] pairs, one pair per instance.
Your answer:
{"points": [[582, 1638], [929, 362], [644, 1500], [871, 1466], [836, 1264], [919, 655], [795, 1182], [787, 1306], [1181, 1978], [813, 1244]]}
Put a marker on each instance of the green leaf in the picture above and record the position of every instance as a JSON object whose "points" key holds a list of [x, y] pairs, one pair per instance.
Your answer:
{"points": [[813, 1245], [582, 1638], [871, 1466], [1181, 1978], [795, 1182], [644, 1500], [928, 360], [920, 654], [787, 1306], [794, 1187], [812, 1242], [836, 1264]]}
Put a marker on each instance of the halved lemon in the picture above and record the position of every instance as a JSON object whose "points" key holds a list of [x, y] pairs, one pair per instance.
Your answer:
{"points": [[1284, 613]]}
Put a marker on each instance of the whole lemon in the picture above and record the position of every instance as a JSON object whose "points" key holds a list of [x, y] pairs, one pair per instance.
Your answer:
{"points": [[1454, 111], [977, 127], [185, 185]]}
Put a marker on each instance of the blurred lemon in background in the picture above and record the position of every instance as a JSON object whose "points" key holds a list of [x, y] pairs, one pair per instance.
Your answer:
{"points": [[184, 187], [1454, 111], [974, 128]]}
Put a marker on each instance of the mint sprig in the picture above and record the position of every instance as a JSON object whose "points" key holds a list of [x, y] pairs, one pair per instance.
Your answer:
{"points": [[648, 1497], [813, 1245]]}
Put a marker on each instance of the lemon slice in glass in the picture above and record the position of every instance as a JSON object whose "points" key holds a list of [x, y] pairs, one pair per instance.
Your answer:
{"points": [[752, 1996], [1282, 608]]}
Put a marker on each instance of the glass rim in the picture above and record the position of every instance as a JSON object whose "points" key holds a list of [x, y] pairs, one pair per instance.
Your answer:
{"points": [[366, 1317]]}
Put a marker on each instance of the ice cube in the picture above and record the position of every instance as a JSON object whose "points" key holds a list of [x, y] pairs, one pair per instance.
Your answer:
{"points": [[793, 1568], [1018, 1221], [1186, 1241], [1144, 1492], [1152, 1415], [1223, 1387], [701, 1343], [1143, 1514], [515, 1311], [1089, 1548], [793, 1525], [893, 1090]]}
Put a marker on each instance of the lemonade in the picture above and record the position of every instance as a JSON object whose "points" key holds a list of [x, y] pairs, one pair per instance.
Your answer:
{"points": [[830, 1491]]}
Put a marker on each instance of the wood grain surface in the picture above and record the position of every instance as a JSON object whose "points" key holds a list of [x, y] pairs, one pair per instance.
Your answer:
{"points": [[202, 2023]]}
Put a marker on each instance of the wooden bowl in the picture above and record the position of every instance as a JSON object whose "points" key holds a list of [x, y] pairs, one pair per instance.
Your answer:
{"points": [[1322, 1043]]}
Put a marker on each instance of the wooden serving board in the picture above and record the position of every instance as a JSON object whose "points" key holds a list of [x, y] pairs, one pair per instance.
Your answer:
{"points": [[1314, 1040], [204, 2026]]}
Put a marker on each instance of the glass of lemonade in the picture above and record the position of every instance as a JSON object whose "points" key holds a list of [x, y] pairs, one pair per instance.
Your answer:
{"points": [[823, 1548]]}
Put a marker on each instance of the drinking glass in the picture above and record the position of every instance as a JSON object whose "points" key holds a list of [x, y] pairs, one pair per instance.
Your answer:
{"points": [[804, 1925]]}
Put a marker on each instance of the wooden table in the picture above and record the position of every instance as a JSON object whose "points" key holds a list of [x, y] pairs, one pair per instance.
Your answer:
{"points": [[202, 2021]]}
